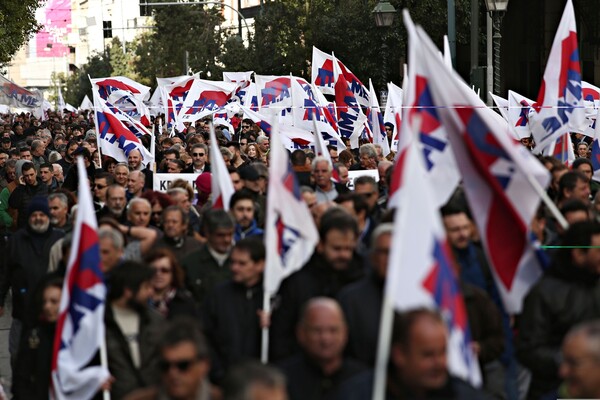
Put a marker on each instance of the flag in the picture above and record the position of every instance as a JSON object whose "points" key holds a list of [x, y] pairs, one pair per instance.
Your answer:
{"points": [[290, 233], [322, 71], [423, 115], [61, 101], [86, 104], [393, 113], [500, 176], [80, 326], [519, 109], [376, 122], [13, 95], [116, 139], [126, 95], [221, 184], [350, 117], [596, 151], [420, 270], [204, 98], [501, 104], [560, 107], [562, 149], [307, 112], [174, 91]]}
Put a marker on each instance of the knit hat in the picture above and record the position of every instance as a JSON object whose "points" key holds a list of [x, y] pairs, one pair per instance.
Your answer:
{"points": [[38, 203], [203, 182]]}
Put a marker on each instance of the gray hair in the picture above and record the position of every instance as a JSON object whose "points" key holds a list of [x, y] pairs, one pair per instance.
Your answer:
{"points": [[61, 197], [319, 159], [382, 229], [368, 150], [137, 200], [591, 331], [243, 377], [261, 138], [106, 232], [177, 190], [54, 156]]}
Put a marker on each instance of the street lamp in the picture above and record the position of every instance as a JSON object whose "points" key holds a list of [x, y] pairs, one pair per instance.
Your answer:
{"points": [[384, 13], [496, 9]]}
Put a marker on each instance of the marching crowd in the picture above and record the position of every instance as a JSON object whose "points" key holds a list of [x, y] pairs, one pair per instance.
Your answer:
{"points": [[184, 310]]}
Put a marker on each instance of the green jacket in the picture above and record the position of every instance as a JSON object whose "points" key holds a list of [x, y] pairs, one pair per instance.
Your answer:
{"points": [[203, 273]]}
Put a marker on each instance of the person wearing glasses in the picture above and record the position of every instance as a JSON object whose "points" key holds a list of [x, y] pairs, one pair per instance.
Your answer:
{"points": [[101, 183], [133, 329], [184, 365], [199, 153], [170, 297]]}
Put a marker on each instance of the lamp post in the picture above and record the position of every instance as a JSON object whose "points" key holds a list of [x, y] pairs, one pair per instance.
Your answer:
{"points": [[384, 13], [496, 9]]}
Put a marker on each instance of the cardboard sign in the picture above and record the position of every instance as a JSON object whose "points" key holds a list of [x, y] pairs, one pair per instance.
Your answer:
{"points": [[163, 181], [352, 175]]}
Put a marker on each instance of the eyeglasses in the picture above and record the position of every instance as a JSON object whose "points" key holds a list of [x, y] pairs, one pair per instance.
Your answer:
{"points": [[245, 126], [162, 270], [180, 365], [100, 186], [198, 154]]}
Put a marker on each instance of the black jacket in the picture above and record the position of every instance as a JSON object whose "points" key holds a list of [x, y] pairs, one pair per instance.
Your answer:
{"points": [[361, 302], [203, 273], [31, 378], [305, 380], [231, 325], [127, 376], [316, 278], [21, 197], [565, 296], [27, 264]]}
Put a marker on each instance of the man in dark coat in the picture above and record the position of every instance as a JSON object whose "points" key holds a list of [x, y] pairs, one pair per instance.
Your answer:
{"points": [[318, 371], [132, 329], [567, 294], [207, 267], [20, 197], [333, 265], [27, 263], [231, 311]]}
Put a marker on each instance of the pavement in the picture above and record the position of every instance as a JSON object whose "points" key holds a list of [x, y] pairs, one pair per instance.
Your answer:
{"points": [[5, 371]]}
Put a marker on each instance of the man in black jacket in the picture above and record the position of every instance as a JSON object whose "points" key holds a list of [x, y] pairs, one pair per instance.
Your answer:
{"points": [[27, 263], [20, 197], [132, 329], [567, 294], [318, 371], [333, 265], [231, 311]]}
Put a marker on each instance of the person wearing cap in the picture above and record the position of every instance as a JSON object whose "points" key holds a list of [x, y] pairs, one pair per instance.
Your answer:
{"points": [[21, 197], [27, 263], [6, 143]]}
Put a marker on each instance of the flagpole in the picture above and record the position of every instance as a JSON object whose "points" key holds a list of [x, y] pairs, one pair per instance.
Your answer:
{"points": [[565, 156], [383, 348], [264, 349], [96, 121], [104, 363], [153, 147]]}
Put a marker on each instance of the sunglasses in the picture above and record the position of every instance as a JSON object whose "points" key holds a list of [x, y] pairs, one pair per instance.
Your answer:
{"points": [[245, 126], [181, 365], [100, 186], [162, 270], [198, 154]]}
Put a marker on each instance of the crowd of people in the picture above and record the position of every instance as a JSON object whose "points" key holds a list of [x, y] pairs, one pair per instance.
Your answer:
{"points": [[184, 311]]}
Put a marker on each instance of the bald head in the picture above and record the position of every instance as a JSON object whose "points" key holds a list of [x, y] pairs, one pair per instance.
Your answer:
{"points": [[322, 332]]}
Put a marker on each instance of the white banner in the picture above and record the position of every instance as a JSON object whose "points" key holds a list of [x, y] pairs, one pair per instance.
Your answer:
{"points": [[163, 181]]}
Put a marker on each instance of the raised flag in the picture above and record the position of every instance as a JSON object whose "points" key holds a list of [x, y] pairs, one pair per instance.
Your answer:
{"points": [[80, 327], [221, 184], [174, 91], [375, 119], [290, 233], [560, 107], [562, 149], [126, 95], [432, 137], [596, 151], [13, 95], [322, 71], [204, 98], [502, 180], [420, 269], [350, 117], [501, 104], [116, 139], [86, 104], [393, 113], [519, 109]]}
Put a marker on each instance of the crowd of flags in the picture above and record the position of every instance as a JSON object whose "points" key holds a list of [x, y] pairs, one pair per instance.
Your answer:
{"points": [[442, 133]]}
